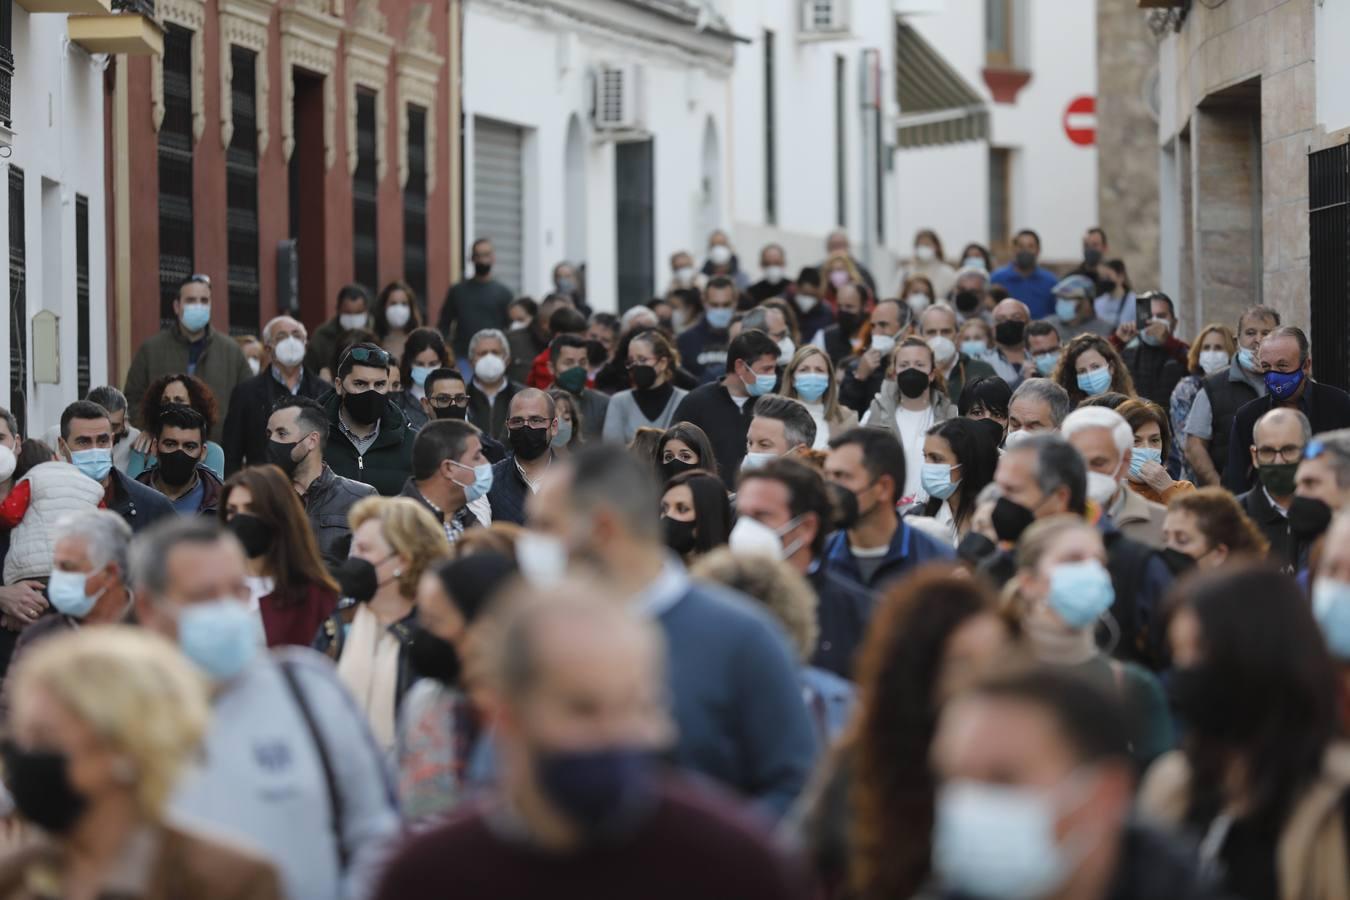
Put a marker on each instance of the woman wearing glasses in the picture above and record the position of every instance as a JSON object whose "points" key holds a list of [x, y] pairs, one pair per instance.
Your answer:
{"points": [[651, 402]]}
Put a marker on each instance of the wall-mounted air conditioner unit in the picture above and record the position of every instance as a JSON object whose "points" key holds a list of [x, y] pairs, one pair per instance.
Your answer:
{"points": [[617, 98]]}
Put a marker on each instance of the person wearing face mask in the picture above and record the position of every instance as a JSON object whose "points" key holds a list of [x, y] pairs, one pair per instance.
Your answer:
{"points": [[1279, 439], [864, 375], [189, 345], [1331, 602], [371, 441], [1210, 354], [441, 720], [837, 245], [1034, 795], [652, 400], [397, 314], [451, 476], [682, 272], [245, 435], [1024, 279], [40, 497], [1095, 250], [106, 725], [1009, 355], [1256, 691], [840, 340], [724, 409], [683, 448], [352, 314], [1061, 592], [703, 346], [1322, 485], [1074, 312], [722, 262], [1206, 529], [582, 720], [86, 443], [491, 391], [531, 427], [775, 282], [1156, 359], [1044, 347], [327, 818], [738, 707], [1148, 459], [780, 427], [567, 364], [813, 316], [937, 325], [809, 378], [125, 435], [959, 456], [476, 303], [917, 293], [1286, 358], [1106, 442], [569, 281], [1209, 422], [880, 546], [180, 472], [424, 352], [969, 293], [695, 514], [1090, 367], [910, 403], [929, 263]]}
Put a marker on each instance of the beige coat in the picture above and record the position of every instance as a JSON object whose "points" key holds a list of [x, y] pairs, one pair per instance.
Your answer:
{"points": [[1139, 519]]}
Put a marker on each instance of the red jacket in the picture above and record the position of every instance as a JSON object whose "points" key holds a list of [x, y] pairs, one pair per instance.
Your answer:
{"points": [[540, 376]]}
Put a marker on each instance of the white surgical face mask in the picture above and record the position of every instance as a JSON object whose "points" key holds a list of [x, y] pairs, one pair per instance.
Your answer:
{"points": [[751, 536], [8, 463], [924, 253], [684, 276], [397, 316], [253, 364], [289, 351], [1212, 361], [944, 350], [489, 367], [773, 274], [352, 321], [719, 254], [918, 303], [785, 350], [883, 343], [1101, 488]]}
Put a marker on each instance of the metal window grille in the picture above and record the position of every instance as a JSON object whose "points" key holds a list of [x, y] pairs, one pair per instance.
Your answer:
{"points": [[365, 190], [18, 301], [6, 59], [241, 192], [1329, 263], [823, 13], [770, 127], [415, 206], [635, 199], [82, 377], [176, 254], [998, 197], [840, 141]]}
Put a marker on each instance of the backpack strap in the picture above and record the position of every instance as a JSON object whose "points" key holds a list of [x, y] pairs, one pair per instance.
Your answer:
{"points": [[325, 759]]}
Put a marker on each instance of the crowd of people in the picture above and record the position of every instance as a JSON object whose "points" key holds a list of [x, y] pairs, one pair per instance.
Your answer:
{"points": [[987, 586]]}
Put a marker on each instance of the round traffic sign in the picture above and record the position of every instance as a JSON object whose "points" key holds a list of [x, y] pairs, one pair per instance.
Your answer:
{"points": [[1080, 121]]}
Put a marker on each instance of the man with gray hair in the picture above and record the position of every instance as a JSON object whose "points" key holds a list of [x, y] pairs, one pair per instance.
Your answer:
{"points": [[245, 437], [1278, 441], [938, 326], [781, 427], [1323, 485], [491, 391], [1038, 405], [288, 765], [1106, 442]]}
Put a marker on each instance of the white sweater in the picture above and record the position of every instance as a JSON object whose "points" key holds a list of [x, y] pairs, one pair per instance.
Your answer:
{"points": [[58, 489]]}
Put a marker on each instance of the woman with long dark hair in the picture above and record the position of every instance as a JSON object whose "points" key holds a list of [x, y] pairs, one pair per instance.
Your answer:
{"points": [[396, 316], [424, 352], [293, 591], [959, 459], [695, 514], [1263, 777], [683, 448]]}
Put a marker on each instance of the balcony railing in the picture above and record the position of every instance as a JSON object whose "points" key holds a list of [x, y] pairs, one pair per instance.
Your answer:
{"points": [[144, 7], [6, 84]]}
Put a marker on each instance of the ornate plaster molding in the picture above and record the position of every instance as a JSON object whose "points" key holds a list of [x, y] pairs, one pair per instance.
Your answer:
{"points": [[190, 14], [419, 68], [368, 52], [244, 23], [309, 40]]}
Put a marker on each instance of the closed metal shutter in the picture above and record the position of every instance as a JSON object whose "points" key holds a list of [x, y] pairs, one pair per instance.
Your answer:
{"points": [[498, 207]]}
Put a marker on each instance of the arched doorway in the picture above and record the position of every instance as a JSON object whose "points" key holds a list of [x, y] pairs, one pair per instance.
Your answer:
{"points": [[574, 194]]}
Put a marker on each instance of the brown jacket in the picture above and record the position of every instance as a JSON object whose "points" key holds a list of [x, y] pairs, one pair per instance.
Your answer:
{"points": [[1311, 856], [1139, 519], [160, 863]]}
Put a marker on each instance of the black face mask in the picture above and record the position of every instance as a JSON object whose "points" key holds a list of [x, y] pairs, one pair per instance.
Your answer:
{"points": [[1011, 519], [175, 467], [450, 412], [596, 354], [1308, 518], [967, 302], [975, 547], [481, 269], [913, 383], [843, 505], [1010, 333], [364, 408], [255, 534], [1025, 260], [1178, 563], [279, 455], [39, 782], [529, 443], [848, 322], [433, 657], [356, 579], [1091, 257], [676, 466], [644, 377], [680, 536]]}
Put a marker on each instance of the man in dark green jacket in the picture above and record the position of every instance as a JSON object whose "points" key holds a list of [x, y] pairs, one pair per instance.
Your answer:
{"points": [[192, 346], [369, 440], [353, 312]]}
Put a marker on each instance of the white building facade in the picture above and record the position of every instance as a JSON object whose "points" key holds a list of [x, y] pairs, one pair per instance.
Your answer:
{"points": [[595, 132], [56, 331]]}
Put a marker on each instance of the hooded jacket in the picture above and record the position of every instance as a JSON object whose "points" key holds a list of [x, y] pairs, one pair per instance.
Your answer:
{"points": [[386, 464]]}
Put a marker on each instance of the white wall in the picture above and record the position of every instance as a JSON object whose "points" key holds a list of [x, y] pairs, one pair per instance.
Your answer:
{"points": [[1332, 21], [530, 66], [58, 123], [805, 134], [1054, 187]]}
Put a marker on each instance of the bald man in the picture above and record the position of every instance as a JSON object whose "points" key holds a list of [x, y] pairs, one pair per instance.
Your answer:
{"points": [[1009, 356], [531, 426], [1278, 440], [245, 433]]}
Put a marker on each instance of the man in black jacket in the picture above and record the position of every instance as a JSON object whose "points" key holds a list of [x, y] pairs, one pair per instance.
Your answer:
{"points": [[863, 376], [1158, 360], [724, 408], [373, 442], [245, 435], [1278, 441], [531, 427], [790, 497], [1286, 359]]}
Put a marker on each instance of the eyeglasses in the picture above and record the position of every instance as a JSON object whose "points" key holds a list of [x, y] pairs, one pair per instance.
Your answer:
{"points": [[1287, 454], [367, 356], [443, 401], [532, 422]]}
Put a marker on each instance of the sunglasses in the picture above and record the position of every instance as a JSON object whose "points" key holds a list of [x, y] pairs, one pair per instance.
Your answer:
{"points": [[367, 356], [200, 279]]}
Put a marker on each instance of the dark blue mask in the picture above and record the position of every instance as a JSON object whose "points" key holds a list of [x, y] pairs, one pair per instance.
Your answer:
{"points": [[604, 792], [1283, 385]]}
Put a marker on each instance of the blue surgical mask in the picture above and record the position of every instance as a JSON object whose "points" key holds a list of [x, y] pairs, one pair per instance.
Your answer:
{"points": [[719, 317], [1247, 359], [1283, 385], [1067, 310], [1080, 592], [974, 348], [96, 462], [1331, 606], [66, 591], [196, 316], [997, 841], [220, 636], [420, 373], [763, 384], [1141, 455], [1094, 382], [482, 481], [564, 435], [936, 479], [811, 386], [1046, 362], [753, 461]]}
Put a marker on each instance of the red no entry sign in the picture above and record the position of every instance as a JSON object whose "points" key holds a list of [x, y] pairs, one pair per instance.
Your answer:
{"points": [[1080, 121]]}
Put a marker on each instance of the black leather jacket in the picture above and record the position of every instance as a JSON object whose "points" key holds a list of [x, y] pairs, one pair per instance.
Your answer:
{"points": [[327, 502]]}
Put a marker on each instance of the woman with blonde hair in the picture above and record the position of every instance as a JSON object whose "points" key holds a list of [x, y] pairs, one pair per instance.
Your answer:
{"points": [[1211, 351], [1153, 446], [810, 378], [394, 540], [104, 721]]}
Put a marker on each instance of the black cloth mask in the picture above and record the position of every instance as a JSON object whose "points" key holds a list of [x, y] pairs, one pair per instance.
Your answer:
{"points": [[39, 783], [450, 412], [680, 536], [1308, 518], [433, 657], [279, 455], [529, 443], [1010, 333], [356, 579], [365, 408], [255, 534], [1178, 563], [913, 382], [644, 377], [967, 302], [1011, 519], [175, 467], [676, 466]]}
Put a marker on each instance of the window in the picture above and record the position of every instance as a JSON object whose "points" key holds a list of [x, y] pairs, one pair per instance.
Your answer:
{"points": [[770, 166], [18, 301], [998, 33], [1000, 186], [175, 170], [82, 376], [840, 143], [6, 59], [241, 195], [415, 206], [365, 194], [1329, 271]]}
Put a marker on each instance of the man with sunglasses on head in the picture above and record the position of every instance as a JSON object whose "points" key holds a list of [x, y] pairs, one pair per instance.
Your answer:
{"points": [[189, 345], [371, 441]]}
